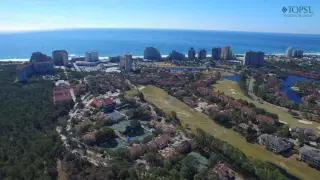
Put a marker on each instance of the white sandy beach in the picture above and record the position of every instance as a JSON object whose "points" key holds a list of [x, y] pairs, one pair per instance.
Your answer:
{"points": [[141, 56]]}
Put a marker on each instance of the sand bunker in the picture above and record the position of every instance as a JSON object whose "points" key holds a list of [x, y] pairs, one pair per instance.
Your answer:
{"points": [[305, 122], [184, 114], [141, 87]]}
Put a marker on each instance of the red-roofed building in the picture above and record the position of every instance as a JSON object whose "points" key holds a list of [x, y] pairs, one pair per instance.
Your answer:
{"points": [[278, 94], [107, 101], [224, 172], [224, 98], [162, 126], [215, 94], [263, 118], [109, 104], [96, 103], [160, 142], [168, 152], [247, 110], [61, 94], [235, 104]]}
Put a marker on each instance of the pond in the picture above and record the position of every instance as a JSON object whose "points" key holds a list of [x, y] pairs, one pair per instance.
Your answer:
{"points": [[286, 84], [235, 77], [286, 87]]}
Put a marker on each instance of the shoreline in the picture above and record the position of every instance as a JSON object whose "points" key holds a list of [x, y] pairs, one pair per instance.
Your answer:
{"points": [[141, 56]]}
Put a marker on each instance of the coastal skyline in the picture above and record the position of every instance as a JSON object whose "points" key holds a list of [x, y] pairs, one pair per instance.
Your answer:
{"points": [[249, 16], [113, 42]]}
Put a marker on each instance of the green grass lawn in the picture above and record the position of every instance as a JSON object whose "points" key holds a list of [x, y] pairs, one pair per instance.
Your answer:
{"points": [[231, 88], [131, 93], [197, 119]]}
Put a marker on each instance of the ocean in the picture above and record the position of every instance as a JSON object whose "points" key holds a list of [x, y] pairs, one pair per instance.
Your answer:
{"points": [[112, 42]]}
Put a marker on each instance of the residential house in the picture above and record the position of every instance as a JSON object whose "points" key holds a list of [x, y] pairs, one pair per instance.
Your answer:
{"points": [[79, 89], [190, 102], [275, 144], [109, 104], [310, 154], [256, 127], [160, 142], [204, 91], [183, 147], [242, 128], [137, 149], [225, 98], [116, 116], [168, 152], [211, 108], [296, 132], [62, 94], [235, 104], [96, 103], [100, 116], [215, 94], [224, 172], [265, 119], [246, 110], [162, 126], [202, 105], [89, 138], [203, 161]]}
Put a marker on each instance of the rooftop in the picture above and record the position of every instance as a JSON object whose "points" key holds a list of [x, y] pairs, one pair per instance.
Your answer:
{"points": [[264, 118], [280, 143], [96, 103], [202, 160], [61, 95], [108, 101], [224, 170], [310, 151], [247, 110]]}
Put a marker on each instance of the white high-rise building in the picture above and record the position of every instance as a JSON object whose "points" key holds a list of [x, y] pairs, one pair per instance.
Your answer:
{"points": [[252, 58], [60, 57], [122, 62], [88, 56], [128, 62], [92, 56], [289, 52]]}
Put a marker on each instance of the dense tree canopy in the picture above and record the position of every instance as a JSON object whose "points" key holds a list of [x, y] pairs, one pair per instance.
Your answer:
{"points": [[27, 137]]}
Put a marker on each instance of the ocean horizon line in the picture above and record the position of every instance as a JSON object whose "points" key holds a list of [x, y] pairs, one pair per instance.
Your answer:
{"points": [[117, 41], [145, 28]]}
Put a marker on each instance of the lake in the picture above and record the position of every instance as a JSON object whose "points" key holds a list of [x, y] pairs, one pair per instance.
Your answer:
{"points": [[235, 77], [286, 84], [286, 87]]}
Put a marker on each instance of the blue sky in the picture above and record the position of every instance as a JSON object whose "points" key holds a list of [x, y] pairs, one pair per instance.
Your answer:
{"points": [[233, 15]]}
